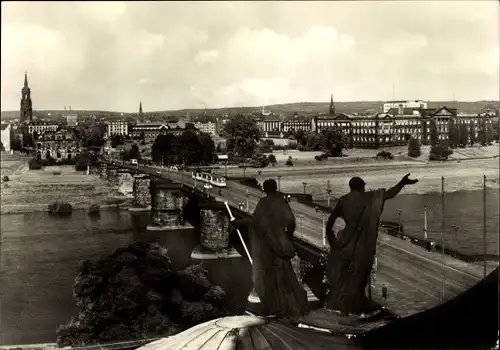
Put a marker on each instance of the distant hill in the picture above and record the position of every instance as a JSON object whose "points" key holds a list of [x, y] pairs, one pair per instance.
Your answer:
{"points": [[287, 109]]}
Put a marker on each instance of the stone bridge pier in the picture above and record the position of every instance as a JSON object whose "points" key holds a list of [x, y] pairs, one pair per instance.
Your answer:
{"points": [[142, 193], [167, 202], [214, 233]]}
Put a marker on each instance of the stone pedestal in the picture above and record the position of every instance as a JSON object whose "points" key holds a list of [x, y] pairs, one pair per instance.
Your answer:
{"points": [[166, 206], [142, 193], [214, 233]]}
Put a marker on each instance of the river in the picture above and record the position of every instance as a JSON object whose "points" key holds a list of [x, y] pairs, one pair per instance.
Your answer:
{"points": [[40, 254]]}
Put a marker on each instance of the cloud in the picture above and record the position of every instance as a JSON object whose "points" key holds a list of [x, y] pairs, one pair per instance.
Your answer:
{"points": [[206, 56], [110, 55]]}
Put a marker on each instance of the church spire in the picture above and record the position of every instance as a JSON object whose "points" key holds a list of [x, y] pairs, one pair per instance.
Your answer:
{"points": [[332, 106], [26, 112], [140, 107]]}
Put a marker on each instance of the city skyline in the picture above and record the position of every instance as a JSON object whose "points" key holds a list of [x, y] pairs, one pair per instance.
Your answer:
{"points": [[110, 56]]}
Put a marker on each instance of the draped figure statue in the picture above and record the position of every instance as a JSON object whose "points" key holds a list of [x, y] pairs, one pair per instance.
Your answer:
{"points": [[352, 251], [272, 249]]}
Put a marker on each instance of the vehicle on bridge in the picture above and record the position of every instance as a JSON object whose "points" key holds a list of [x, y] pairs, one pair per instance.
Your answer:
{"points": [[217, 181]]}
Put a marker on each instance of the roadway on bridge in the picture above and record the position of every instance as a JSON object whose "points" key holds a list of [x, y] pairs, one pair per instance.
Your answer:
{"points": [[413, 277]]}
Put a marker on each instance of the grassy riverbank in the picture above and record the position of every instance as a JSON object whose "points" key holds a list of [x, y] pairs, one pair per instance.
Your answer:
{"points": [[33, 190]]}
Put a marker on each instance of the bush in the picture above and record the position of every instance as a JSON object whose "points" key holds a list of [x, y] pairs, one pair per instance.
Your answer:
{"points": [[81, 164], [35, 164], [384, 155], [271, 159], [5, 178], [414, 148], [60, 208], [94, 209], [135, 293], [321, 157]]}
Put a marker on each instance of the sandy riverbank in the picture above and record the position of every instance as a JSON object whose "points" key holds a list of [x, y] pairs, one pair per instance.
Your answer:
{"points": [[464, 176], [33, 190]]}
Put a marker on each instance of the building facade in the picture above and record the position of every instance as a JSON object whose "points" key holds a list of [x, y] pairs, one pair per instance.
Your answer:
{"points": [[59, 144], [151, 131], [38, 128], [118, 127], [404, 104], [71, 120], [271, 125], [207, 127], [6, 135]]}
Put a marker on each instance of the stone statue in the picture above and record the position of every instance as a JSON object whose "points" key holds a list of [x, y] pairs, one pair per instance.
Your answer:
{"points": [[352, 251], [272, 248]]}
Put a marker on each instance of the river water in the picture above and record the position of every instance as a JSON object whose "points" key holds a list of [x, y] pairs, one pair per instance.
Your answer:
{"points": [[40, 254]]}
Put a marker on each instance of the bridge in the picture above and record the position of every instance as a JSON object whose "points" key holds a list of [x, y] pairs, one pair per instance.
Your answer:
{"points": [[416, 279]]}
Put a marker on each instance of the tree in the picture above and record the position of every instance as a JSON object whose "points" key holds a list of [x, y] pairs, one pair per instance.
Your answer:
{"points": [[472, 134], [242, 135], [434, 133], [496, 130], [15, 143], [300, 137], [485, 132], [441, 151], [161, 148], [134, 152], [207, 148], [27, 140], [414, 147], [35, 135], [453, 133], [116, 140], [463, 138], [333, 141]]}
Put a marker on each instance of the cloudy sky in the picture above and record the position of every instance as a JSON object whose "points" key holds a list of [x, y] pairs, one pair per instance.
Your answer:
{"points": [[111, 55]]}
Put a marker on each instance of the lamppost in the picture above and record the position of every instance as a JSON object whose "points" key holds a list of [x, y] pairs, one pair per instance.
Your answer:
{"points": [[328, 191], [322, 224], [399, 221], [305, 185], [455, 231], [301, 225], [247, 194], [279, 183], [244, 172]]}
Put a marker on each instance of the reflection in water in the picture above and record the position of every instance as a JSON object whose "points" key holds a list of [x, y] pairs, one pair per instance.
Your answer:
{"points": [[40, 255]]}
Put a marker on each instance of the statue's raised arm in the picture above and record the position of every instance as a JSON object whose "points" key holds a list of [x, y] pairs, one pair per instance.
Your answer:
{"points": [[394, 191]]}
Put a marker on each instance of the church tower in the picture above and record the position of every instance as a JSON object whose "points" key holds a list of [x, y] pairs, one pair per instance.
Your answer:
{"points": [[332, 106], [26, 114], [140, 108]]}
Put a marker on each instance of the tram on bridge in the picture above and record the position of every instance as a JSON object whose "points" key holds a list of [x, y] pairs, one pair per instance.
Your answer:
{"points": [[217, 181]]}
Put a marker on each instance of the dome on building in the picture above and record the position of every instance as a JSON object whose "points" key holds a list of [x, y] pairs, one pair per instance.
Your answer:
{"points": [[249, 333]]}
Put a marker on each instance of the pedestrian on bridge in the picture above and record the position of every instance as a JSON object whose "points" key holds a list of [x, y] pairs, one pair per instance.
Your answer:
{"points": [[384, 292]]}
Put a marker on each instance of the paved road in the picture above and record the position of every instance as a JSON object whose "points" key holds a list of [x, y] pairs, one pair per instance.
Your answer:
{"points": [[413, 277]]}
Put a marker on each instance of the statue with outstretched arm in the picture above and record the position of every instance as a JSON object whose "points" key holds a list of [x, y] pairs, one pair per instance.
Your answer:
{"points": [[352, 251]]}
